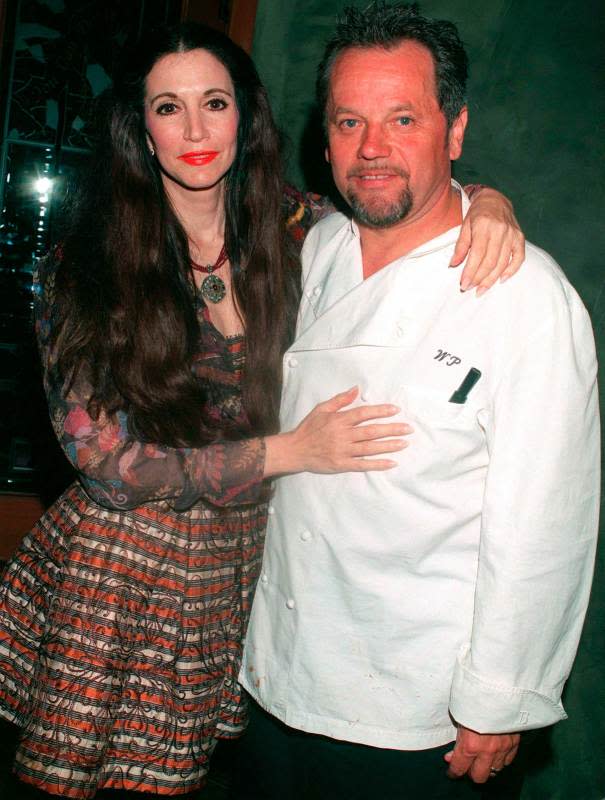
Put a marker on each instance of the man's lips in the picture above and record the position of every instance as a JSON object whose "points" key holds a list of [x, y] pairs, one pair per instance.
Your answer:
{"points": [[376, 175], [200, 158], [376, 180]]}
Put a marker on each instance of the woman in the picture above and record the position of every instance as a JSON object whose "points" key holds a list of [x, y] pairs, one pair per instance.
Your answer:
{"points": [[122, 614]]}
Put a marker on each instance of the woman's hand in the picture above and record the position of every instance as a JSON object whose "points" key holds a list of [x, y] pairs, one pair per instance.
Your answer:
{"points": [[491, 237], [330, 439]]}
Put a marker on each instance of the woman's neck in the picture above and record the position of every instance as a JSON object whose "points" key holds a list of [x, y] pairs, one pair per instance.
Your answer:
{"points": [[201, 212]]}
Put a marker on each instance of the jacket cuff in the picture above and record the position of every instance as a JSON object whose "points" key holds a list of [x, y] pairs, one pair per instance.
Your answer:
{"points": [[492, 706]]}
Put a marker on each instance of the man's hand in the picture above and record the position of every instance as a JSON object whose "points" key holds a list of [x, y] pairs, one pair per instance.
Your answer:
{"points": [[491, 237], [477, 754]]}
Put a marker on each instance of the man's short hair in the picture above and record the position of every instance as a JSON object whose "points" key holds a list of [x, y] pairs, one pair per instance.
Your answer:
{"points": [[387, 25]]}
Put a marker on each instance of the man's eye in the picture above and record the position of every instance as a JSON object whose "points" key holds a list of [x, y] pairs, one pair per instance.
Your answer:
{"points": [[348, 124], [404, 121], [216, 104], [166, 108]]}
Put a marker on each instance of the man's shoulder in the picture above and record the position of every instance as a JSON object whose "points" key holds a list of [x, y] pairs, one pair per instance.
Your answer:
{"points": [[540, 273], [539, 296], [542, 266]]}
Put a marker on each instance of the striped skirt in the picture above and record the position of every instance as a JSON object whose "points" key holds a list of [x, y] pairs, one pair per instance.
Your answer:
{"points": [[120, 643]]}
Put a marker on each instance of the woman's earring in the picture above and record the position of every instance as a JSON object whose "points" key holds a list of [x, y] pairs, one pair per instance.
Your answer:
{"points": [[151, 150]]}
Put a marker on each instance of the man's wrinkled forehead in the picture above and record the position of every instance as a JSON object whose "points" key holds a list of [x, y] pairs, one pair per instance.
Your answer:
{"points": [[381, 72]]}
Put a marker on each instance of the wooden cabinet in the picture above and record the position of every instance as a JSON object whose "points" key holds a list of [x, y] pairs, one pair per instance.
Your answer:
{"points": [[233, 17], [17, 515]]}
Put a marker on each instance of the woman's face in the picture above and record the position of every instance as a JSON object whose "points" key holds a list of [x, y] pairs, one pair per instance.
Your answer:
{"points": [[191, 118]]}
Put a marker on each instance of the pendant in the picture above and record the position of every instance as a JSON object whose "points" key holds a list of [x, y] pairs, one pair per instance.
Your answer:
{"points": [[213, 288]]}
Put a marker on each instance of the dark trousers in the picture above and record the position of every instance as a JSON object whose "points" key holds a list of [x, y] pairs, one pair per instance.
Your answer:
{"points": [[275, 762]]}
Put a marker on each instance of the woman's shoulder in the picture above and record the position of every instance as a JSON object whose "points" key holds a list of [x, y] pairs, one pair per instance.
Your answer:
{"points": [[302, 210], [44, 289], [46, 267]]}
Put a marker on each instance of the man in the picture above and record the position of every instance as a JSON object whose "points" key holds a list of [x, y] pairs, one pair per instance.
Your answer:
{"points": [[441, 601]]}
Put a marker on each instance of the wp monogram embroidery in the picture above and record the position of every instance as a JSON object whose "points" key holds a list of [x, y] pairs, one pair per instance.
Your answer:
{"points": [[449, 359]]}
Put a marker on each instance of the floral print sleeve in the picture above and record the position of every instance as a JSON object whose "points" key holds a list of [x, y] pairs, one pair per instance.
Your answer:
{"points": [[302, 211], [118, 471]]}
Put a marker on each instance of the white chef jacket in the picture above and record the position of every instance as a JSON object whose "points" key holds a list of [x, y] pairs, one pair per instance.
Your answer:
{"points": [[457, 582]]}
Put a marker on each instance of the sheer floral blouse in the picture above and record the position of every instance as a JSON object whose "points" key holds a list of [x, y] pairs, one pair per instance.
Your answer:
{"points": [[116, 469]]}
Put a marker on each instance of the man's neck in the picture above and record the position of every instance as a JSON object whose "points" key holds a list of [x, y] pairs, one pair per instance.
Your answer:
{"points": [[382, 246]]}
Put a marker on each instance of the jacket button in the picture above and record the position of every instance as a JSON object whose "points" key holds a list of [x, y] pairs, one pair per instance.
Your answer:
{"points": [[317, 291], [264, 578], [290, 603], [305, 535], [292, 362], [271, 510]]}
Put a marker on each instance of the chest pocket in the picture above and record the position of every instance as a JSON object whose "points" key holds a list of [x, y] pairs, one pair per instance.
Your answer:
{"points": [[430, 408]]}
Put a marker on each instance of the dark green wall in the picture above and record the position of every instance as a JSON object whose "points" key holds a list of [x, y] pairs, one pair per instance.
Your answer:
{"points": [[537, 106]]}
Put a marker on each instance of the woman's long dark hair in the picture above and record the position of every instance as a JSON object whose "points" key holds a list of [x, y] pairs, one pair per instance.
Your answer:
{"points": [[126, 309]]}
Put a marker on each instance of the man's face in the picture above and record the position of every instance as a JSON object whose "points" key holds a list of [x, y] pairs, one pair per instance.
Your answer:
{"points": [[388, 142]]}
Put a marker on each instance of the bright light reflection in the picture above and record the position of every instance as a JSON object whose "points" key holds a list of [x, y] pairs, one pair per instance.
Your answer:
{"points": [[43, 185]]}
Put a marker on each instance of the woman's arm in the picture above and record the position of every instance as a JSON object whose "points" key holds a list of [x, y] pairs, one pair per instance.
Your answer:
{"points": [[491, 238], [119, 471], [490, 235]]}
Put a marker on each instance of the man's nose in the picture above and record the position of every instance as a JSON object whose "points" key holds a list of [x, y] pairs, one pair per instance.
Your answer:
{"points": [[374, 143], [195, 127]]}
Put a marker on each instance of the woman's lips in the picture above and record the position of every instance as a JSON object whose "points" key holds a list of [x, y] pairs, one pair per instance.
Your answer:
{"points": [[199, 159]]}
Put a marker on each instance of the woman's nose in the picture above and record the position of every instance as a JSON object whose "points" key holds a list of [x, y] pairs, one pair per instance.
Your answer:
{"points": [[195, 129]]}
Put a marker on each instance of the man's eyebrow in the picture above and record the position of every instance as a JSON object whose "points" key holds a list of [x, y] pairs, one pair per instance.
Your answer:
{"points": [[173, 96], [392, 110], [345, 110]]}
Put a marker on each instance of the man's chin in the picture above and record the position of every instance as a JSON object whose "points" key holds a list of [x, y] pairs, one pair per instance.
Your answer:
{"points": [[380, 213]]}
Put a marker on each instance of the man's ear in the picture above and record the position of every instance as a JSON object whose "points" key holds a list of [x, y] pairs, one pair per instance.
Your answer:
{"points": [[456, 134]]}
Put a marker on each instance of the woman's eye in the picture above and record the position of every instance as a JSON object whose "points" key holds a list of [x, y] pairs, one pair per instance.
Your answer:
{"points": [[216, 104], [166, 108]]}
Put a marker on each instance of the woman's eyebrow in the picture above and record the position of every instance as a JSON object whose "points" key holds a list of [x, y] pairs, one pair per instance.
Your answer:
{"points": [[174, 96]]}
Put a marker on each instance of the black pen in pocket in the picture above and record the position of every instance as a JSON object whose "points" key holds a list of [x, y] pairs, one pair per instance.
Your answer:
{"points": [[462, 392]]}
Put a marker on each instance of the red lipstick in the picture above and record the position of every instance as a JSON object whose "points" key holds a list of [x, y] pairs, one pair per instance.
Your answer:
{"points": [[200, 158]]}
